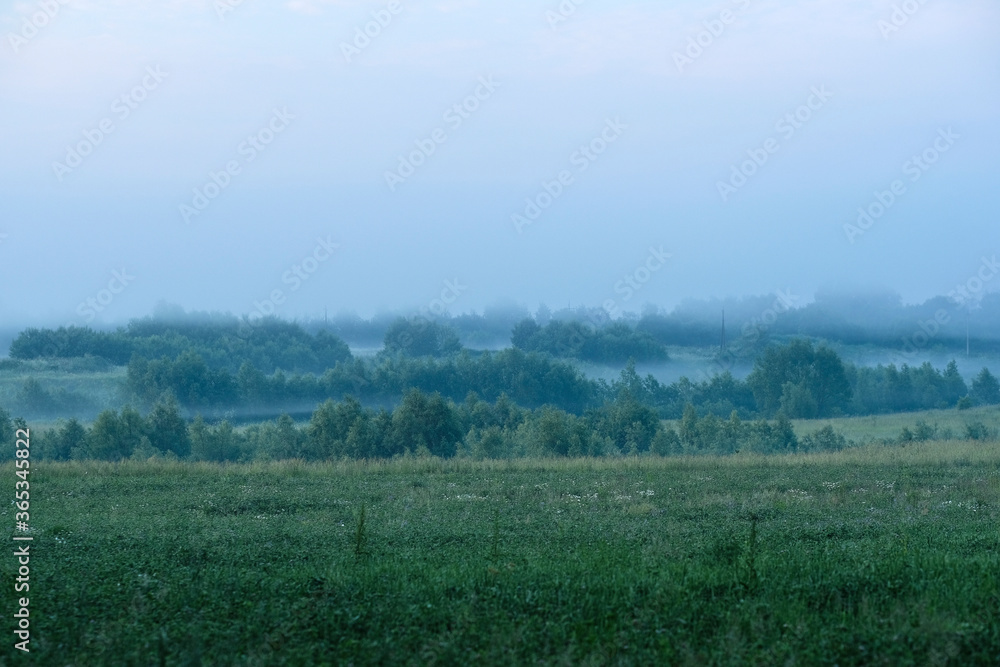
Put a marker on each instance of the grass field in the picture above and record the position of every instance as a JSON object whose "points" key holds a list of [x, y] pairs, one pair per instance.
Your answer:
{"points": [[872, 555], [950, 423]]}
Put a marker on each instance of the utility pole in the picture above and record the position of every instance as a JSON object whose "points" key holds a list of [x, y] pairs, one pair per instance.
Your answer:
{"points": [[722, 346]]}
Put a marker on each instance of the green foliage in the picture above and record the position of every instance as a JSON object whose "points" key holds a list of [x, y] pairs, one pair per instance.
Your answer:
{"points": [[628, 424], [345, 430], [275, 440], [524, 335], [798, 402], [491, 442], [977, 430], [167, 428], [6, 427], [187, 377], [530, 380], [612, 343], [985, 388], [67, 441], [113, 437], [817, 377], [217, 443], [888, 389], [666, 442], [223, 342], [712, 435], [825, 439], [419, 337], [922, 431], [551, 432], [425, 422]]}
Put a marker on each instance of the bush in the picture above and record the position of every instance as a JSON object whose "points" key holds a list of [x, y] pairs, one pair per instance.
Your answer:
{"points": [[922, 431], [825, 439], [977, 430]]}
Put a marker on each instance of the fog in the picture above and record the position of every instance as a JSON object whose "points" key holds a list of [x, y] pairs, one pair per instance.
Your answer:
{"points": [[271, 157]]}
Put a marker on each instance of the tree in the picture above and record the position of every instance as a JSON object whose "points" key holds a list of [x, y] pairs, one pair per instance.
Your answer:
{"points": [[954, 383], [524, 335], [828, 382], [113, 437], [419, 337], [688, 431], [797, 401], [6, 427], [252, 385], [818, 374], [428, 422], [167, 428], [985, 388], [275, 441], [339, 430], [630, 425], [69, 439], [666, 442], [218, 444]]}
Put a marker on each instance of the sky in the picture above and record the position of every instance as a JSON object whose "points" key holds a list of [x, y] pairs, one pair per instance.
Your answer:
{"points": [[344, 155]]}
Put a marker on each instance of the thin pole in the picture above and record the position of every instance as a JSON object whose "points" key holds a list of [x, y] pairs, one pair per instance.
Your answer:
{"points": [[722, 346]]}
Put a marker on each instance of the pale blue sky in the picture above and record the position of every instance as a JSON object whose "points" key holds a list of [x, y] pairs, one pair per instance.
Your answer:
{"points": [[324, 173]]}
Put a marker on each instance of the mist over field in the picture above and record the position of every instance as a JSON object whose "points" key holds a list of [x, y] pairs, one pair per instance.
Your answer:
{"points": [[381, 332]]}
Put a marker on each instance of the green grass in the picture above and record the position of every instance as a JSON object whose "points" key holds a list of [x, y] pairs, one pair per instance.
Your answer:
{"points": [[878, 427], [874, 555]]}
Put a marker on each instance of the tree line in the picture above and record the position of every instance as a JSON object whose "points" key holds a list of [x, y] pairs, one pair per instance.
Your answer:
{"points": [[798, 380], [421, 424]]}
